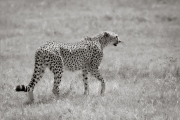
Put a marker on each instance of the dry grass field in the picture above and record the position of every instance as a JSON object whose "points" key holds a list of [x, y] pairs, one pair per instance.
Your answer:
{"points": [[142, 75]]}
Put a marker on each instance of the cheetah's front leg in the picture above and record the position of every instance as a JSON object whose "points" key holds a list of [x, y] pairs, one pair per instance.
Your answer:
{"points": [[96, 74], [86, 86]]}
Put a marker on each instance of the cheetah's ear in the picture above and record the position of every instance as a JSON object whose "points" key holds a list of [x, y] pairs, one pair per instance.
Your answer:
{"points": [[106, 34]]}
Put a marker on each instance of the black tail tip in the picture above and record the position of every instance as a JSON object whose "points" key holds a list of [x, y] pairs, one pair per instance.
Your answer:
{"points": [[20, 88]]}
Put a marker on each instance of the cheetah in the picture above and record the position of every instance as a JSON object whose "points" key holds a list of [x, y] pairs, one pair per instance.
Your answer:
{"points": [[85, 55]]}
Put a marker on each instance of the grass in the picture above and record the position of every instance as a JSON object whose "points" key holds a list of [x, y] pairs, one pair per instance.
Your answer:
{"points": [[142, 75]]}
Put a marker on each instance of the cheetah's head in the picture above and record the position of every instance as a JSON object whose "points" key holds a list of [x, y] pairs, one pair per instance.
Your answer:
{"points": [[111, 38]]}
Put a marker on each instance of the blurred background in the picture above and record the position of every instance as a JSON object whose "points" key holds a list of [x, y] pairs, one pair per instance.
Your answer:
{"points": [[142, 75]]}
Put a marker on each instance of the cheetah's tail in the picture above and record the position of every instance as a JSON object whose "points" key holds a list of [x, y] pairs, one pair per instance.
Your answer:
{"points": [[20, 88]]}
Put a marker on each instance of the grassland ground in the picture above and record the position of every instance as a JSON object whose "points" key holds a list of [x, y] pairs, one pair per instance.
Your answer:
{"points": [[142, 75]]}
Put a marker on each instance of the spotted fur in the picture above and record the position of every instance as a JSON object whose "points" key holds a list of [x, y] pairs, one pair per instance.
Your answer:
{"points": [[85, 55]]}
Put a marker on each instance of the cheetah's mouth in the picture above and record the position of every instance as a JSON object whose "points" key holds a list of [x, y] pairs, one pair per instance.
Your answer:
{"points": [[115, 44]]}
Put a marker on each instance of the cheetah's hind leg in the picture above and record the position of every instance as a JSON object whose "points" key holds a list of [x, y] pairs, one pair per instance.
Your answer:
{"points": [[56, 66]]}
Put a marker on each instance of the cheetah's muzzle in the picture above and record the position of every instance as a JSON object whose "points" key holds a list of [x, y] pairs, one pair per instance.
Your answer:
{"points": [[115, 44]]}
